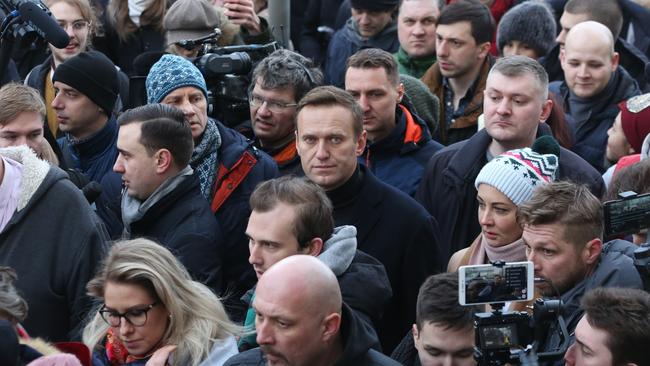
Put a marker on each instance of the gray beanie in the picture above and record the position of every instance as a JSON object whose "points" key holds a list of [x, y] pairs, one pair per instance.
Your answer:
{"points": [[531, 23], [190, 19], [516, 173]]}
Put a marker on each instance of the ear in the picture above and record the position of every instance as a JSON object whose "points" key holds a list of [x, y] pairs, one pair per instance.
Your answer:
{"points": [[163, 161], [562, 57], [361, 143], [400, 92], [592, 251], [484, 49], [615, 60], [414, 331], [331, 326], [295, 133], [314, 248], [547, 108]]}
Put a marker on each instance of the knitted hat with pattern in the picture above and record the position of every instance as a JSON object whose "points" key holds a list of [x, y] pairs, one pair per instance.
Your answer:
{"points": [[170, 73], [516, 173]]}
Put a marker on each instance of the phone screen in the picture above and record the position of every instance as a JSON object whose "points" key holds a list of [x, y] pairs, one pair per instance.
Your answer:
{"points": [[484, 284]]}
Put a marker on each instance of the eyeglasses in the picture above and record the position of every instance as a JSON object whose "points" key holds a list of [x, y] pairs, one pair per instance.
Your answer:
{"points": [[135, 317], [77, 25], [273, 106]]}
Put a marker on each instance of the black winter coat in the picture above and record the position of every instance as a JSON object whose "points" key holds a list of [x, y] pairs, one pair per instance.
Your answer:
{"points": [[397, 231], [182, 222], [447, 189], [358, 340]]}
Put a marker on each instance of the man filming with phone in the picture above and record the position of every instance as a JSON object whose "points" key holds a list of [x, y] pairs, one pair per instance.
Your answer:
{"points": [[563, 235]]}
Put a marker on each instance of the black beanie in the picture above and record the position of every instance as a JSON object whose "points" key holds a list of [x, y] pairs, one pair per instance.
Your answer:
{"points": [[93, 75], [374, 4]]}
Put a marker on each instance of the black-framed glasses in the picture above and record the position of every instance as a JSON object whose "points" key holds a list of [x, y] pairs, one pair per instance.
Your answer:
{"points": [[136, 317], [273, 106]]}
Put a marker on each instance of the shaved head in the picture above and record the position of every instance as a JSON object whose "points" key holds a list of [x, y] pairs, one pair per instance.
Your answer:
{"points": [[592, 34]]}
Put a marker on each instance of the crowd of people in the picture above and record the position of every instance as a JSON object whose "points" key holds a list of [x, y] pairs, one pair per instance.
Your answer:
{"points": [[390, 143]]}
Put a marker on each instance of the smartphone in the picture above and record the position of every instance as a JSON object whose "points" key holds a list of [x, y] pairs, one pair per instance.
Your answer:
{"points": [[487, 284], [628, 215]]}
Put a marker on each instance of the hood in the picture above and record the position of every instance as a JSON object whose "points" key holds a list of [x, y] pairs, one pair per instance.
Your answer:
{"points": [[34, 171], [358, 338], [384, 39], [339, 250]]}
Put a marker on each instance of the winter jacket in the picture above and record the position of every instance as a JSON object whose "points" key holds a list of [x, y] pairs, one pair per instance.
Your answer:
{"points": [[412, 66], [94, 156], [636, 20], [615, 269], [347, 41], [465, 126], [181, 220], [54, 241], [363, 280], [357, 339], [286, 157], [241, 168], [397, 231], [399, 158], [591, 133], [630, 58], [447, 189]]}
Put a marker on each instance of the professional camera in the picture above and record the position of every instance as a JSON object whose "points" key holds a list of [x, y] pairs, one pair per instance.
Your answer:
{"points": [[509, 337], [227, 73]]}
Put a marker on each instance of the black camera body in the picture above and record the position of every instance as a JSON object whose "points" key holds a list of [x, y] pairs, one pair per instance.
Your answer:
{"points": [[498, 333], [227, 73]]}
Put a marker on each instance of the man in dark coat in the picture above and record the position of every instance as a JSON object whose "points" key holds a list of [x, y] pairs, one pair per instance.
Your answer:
{"points": [[391, 226], [516, 105], [302, 320], [373, 24], [295, 215], [594, 85], [400, 144], [162, 199]]}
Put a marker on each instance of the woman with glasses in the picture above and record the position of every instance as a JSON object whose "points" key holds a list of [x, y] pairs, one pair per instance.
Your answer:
{"points": [[150, 307]]}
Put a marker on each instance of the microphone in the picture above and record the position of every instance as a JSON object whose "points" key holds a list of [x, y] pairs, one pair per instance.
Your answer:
{"points": [[44, 25]]}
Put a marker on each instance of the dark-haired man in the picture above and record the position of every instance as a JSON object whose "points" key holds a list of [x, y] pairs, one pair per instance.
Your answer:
{"points": [[463, 35], [443, 333], [162, 199]]}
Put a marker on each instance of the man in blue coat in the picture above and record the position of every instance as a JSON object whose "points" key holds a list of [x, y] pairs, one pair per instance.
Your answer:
{"points": [[400, 144]]}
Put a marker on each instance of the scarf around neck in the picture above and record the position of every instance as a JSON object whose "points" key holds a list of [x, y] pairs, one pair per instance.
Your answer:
{"points": [[485, 253], [117, 354], [205, 159]]}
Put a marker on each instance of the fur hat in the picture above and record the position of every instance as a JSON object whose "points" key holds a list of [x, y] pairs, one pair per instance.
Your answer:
{"points": [[93, 75], [635, 120], [170, 73], [532, 23], [516, 173], [190, 19]]}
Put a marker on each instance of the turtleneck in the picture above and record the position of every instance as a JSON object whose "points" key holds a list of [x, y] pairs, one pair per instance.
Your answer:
{"points": [[348, 192], [581, 108]]}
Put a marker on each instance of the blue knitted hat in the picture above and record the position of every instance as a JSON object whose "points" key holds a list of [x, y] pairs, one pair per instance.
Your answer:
{"points": [[170, 73]]}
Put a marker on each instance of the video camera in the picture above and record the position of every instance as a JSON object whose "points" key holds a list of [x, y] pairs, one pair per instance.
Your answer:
{"points": [[227, 73], [628, 215], [509, 337]]}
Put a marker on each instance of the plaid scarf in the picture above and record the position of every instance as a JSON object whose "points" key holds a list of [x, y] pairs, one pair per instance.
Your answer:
{"points": [[204, 158]]}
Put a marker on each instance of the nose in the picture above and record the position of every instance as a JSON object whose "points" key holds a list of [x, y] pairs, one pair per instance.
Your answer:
{"points": [[418, 29], [561, 37], [363, 18], [264, 333], [263, 109], [21, 140], [125, 327], [503, 108], [569, 356], [485, 217], [118, 167], [321, 151], [448, 360], [254, 257], [56, 102], [531, 256], [583, 71], [187, 108], [609, 131], [442, 50], [363, 102]]}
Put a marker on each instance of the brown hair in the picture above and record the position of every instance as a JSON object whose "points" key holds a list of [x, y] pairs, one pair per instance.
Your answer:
{"points": [[438, 304], [18, 98], [566, 203], [333, 96], [558, 124], [635, 178], [312, 207], [11, 304], [606, 12], [373, 58], [623, 314], [87, 12], [117, 13]]}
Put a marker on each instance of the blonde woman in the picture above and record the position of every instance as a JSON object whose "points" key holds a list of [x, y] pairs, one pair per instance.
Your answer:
{"points": [[151, 307]]}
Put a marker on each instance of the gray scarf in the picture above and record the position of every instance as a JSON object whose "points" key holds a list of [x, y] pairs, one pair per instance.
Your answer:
{"points": [[205, 158]]}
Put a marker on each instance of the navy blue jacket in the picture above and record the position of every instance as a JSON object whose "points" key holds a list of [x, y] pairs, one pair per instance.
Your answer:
{"points": [[95, 156], [447, 189], [590, 135], [399, 158], [397, 231], [182, 222]]}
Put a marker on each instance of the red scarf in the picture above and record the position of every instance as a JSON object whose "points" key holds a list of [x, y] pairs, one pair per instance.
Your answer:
{"points": [[116, 352]]}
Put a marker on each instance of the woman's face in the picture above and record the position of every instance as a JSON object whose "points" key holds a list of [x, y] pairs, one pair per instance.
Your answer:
{"points": [[133, 300], [497, 216]]}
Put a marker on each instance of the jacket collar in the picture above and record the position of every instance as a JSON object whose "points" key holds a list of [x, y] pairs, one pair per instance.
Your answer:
{"points": [[103, 140]]}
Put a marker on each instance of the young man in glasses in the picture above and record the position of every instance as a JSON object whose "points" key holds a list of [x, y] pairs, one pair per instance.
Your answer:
{"points": [[77, 19], [227, 165], [279, 82]]}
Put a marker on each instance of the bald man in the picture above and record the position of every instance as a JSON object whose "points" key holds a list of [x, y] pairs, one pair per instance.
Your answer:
{"points": [[594, 84], [302, 321]]}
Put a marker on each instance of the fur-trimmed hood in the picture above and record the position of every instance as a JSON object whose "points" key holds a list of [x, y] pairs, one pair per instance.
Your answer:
{"points": [[34, 171]]}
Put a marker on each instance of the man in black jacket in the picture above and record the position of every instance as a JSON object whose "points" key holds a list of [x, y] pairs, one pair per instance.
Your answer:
{"points": [[162, 199], [391, 226], [515, 105], [302, 320]]}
